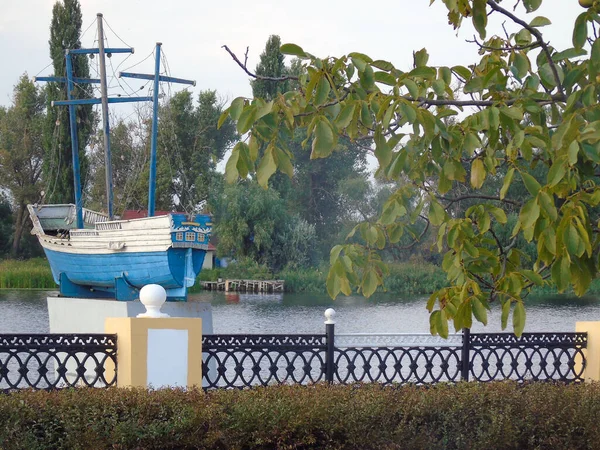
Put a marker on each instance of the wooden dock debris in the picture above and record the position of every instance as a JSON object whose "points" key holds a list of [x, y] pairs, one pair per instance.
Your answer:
{"points": [[244, 285]]}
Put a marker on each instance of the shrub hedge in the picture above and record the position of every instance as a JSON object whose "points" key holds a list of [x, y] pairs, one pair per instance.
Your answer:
{"points": [[463, 416]]}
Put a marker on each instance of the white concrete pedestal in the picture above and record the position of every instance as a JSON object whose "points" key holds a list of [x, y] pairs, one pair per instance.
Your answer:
{"points": [[85, 315]]}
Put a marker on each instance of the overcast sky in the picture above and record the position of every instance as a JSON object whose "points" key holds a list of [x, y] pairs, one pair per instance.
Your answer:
{"points": [[192, 33]]}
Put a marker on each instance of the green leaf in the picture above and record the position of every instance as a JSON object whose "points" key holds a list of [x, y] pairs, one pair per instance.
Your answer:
{"points": [[507, 180], [480, 16], [523, 37], [408, 111], [437, 215], [580, 31], [540, 21], [548, 205], [568, 54], [512, 112], [557, 172], [521, 62], [323, 139], [505, 313], [246, 120], [529, 214], [534, 277], [334, 254], [231, 171], [561, 273], [367, 80], [439, 87], [473, 85], [547, 75], [519, 318], [383, 65], [222, 118], [369, 283], [266, 168], [427, 73], [478, 173], [323, 89], [532, 5], [360, 64], [333, 284], [292, 49], [571, 239], [420, 58], [462, 72], [531, 183], [479, 311], [345, 116], [413, 90], [283, 162], [385, 78], [236, 108], [383, 152]]}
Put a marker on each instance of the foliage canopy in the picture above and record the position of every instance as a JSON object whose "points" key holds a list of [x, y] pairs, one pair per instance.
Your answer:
{"points": [[525, 112]]}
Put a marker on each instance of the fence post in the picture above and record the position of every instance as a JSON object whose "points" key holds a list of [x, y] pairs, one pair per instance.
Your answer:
{"points": [[330, 338], [465, 357]]}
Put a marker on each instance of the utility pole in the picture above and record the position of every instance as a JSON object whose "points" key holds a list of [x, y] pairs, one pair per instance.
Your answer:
{"points": [[105, 122]]}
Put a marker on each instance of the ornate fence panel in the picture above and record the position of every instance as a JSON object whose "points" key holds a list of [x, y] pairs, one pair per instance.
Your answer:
{"points": [[50, 361], [252, 360], [533, 356], [397, 358]]}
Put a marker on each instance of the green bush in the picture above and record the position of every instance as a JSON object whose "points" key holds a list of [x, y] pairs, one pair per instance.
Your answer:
{"points": [[463, 416]]}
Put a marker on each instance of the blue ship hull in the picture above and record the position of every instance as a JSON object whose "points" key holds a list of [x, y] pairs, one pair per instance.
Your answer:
{"points": [[121, 275]]}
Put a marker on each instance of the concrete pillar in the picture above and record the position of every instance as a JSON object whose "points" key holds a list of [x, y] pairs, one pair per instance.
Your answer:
{"points": [[154, 350], [592, 352], [157, 352]]}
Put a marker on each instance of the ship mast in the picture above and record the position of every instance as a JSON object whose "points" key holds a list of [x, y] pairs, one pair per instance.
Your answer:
{"points": [[104, 100], [105, 122], [157, 78]]}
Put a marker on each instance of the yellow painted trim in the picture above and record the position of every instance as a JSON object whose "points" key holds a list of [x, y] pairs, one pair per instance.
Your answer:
{"points": [[592, 352], [132, 347]]}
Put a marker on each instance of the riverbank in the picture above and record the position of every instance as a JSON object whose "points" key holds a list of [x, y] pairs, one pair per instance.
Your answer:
{"points": [[406, 278]]}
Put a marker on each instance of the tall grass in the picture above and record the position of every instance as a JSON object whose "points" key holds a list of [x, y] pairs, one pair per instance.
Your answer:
{"points": [[27, 274]]}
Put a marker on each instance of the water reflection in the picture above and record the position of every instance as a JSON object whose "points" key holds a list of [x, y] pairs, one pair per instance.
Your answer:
{"points": [[26, 312]]}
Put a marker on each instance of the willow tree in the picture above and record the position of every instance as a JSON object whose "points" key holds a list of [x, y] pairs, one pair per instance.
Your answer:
{"points": [[523, 106]]}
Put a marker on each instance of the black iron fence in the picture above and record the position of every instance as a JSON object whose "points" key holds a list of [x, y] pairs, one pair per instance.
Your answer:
{"points": [[49, 361], [250, 360], [52, 361]]}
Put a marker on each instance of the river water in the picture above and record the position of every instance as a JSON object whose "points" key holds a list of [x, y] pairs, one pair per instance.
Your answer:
{"points": [[25, 311]]}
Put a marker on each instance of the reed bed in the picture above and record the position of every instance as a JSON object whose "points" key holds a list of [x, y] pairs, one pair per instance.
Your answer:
{"points": [[26, 274]]}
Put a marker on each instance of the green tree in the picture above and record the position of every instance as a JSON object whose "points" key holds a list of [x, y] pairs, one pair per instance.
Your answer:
{"points": [[192, 144], [313, 192], [271, 65], [252, 222], [521, 106], [65, 33], [130, 155], [21, 153]]}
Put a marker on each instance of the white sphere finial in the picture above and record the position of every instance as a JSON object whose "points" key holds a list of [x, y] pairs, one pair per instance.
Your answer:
{"points": [[329, 315], [153, 297]]}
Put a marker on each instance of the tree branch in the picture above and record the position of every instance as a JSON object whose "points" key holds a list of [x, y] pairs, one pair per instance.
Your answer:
{"points": [[508, 48], [483, 197], [253, 75], [539, 38]]}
